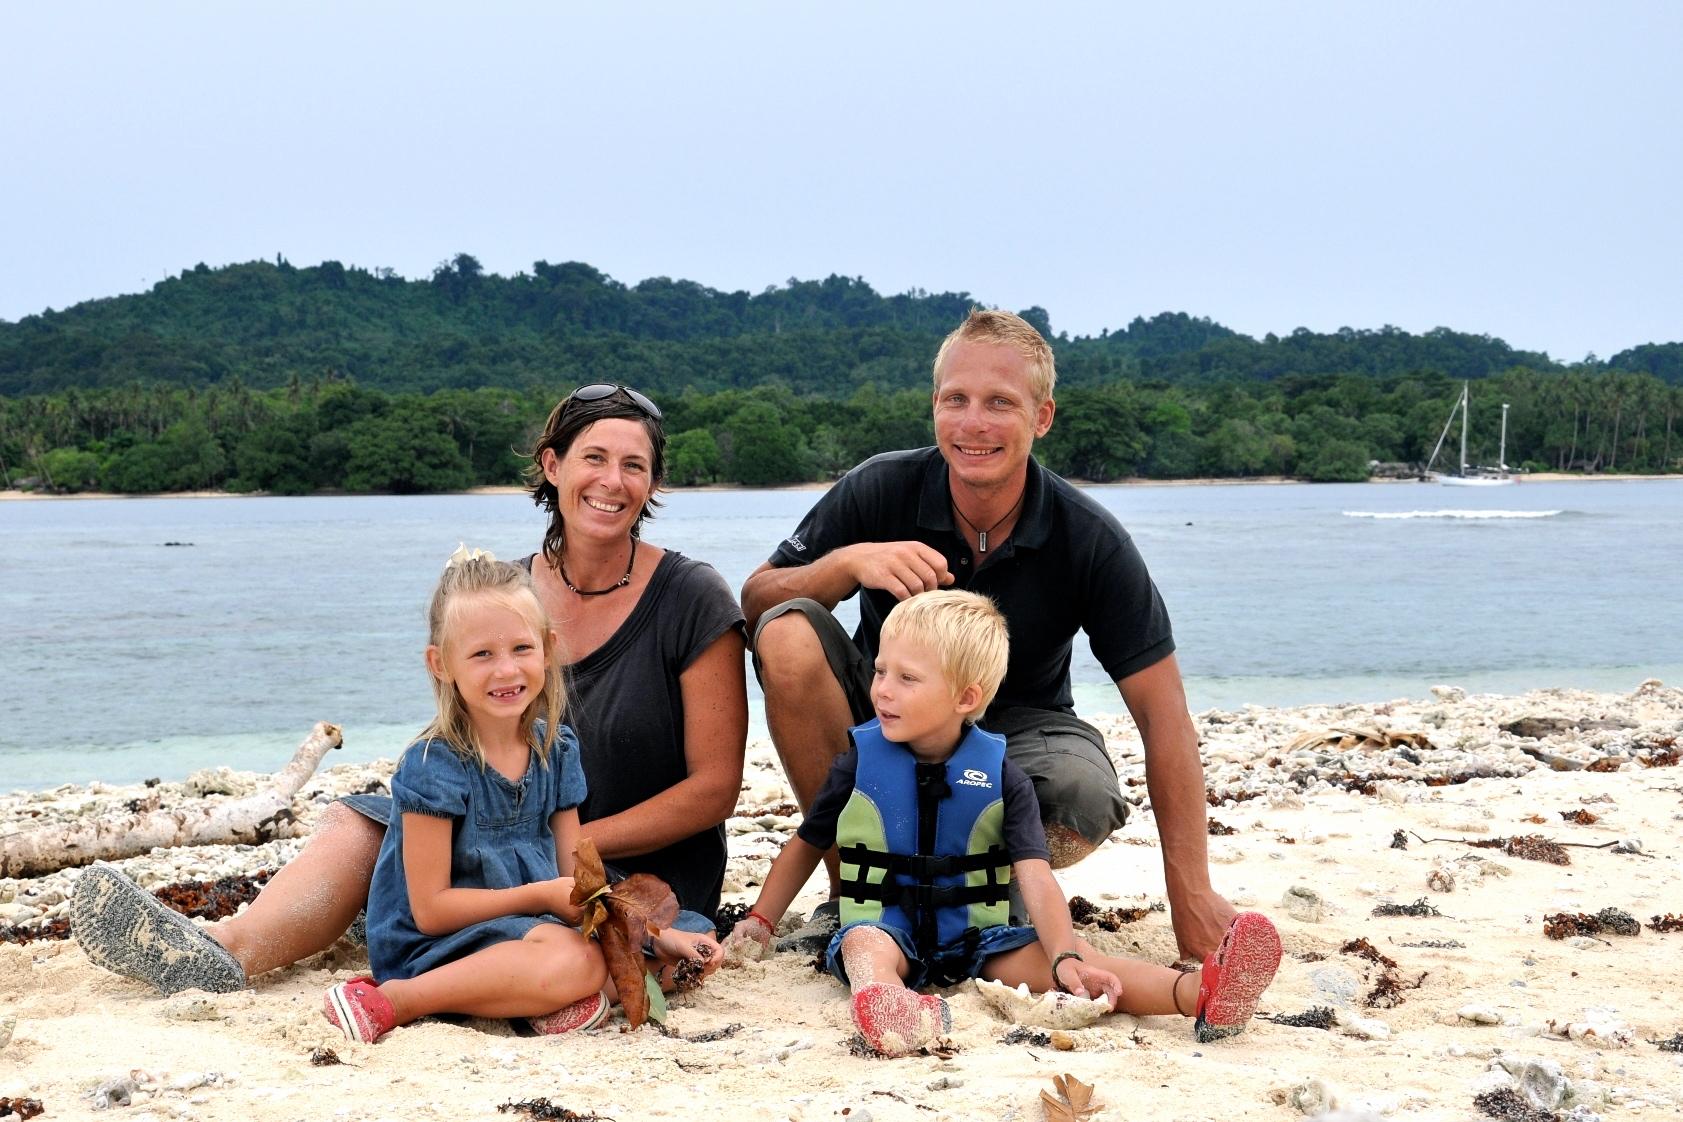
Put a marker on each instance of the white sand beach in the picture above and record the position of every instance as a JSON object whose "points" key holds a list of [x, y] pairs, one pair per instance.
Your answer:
{"points": [[1482, 999]]}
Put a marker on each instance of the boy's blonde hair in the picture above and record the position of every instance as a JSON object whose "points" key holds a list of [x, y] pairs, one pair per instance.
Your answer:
{"points": [[470, 574], [966, 632], [991, 325]]}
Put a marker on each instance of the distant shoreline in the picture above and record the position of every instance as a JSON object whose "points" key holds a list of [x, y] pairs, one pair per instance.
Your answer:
{"points": [[510, 489]]}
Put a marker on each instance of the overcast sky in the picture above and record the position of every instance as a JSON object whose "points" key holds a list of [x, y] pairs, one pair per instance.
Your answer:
{"points": [[1513, 169]]}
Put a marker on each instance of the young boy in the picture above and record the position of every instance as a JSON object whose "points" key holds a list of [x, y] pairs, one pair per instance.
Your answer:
{"points": [[932, 822]]}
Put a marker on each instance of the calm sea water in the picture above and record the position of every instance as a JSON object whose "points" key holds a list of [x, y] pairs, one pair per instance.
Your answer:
{"points": [[124, 656]]}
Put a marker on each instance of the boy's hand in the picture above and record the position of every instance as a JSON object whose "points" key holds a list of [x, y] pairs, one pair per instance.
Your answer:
{"points": [[750, 938], [1090, 981]]}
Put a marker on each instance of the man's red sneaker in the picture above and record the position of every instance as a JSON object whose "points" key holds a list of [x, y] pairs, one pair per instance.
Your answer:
{"points": [[1235, 976]]}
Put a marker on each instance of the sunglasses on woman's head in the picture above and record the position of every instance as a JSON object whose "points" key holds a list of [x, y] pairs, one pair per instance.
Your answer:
{"points": [[599, 390]]}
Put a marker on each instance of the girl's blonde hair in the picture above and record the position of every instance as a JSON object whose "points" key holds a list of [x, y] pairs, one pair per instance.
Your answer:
{"points": [[471, 573]]}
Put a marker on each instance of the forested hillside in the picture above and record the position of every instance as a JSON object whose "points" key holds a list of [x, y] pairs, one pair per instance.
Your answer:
{"points": [[263, 376]]}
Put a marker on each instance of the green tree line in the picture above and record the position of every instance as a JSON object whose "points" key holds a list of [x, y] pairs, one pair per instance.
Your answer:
{"points": [[265, 376], [335, 434], [268, 323]]}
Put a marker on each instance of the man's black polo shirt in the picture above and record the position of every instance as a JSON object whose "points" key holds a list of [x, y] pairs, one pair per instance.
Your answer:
{"points": [[1067, 566]]}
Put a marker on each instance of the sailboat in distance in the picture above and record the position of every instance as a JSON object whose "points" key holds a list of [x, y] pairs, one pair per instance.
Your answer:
{"points": [[1475, 476]]}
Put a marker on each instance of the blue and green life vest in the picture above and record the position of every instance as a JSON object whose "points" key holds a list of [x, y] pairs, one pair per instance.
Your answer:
{"points": [[922, 845]]}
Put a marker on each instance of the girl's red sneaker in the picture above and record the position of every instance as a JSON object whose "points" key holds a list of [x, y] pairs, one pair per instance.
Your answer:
{"points": [[358, 1009]]}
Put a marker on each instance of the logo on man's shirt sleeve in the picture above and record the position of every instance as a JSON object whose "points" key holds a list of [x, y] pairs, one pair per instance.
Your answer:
{"points": [[794, 542]]}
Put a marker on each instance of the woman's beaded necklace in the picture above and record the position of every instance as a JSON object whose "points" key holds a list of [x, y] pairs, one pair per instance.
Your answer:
{"points": [[561, 567]]}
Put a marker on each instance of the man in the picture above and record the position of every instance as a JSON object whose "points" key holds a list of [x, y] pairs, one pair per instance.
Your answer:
{"points": [[978, 512]]}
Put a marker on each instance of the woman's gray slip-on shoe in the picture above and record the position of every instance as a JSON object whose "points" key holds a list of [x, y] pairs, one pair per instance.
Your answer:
{"points": [[128, 931]]}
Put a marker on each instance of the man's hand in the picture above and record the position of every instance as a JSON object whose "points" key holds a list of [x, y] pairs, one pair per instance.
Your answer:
{"points": [[902, 568], [1200, 920]]}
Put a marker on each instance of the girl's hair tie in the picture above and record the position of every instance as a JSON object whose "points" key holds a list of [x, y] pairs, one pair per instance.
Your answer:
{"points": [[463, 555]]}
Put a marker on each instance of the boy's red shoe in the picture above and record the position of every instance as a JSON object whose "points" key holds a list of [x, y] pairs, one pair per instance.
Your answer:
{"points": [[896, 1022], [1235, 976], [586, 1012], [358, 1009]]}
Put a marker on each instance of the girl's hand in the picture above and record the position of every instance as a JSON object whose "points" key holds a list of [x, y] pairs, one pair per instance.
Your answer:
{"points": [[674, 946], [1091, 981], [558, 899]]}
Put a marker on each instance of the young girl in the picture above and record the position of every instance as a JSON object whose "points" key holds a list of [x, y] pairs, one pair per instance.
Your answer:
{"points": [[468, 911]]}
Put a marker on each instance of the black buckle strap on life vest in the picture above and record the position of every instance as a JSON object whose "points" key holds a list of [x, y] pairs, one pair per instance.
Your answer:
{"points": [[923, 869], [924, 866]]}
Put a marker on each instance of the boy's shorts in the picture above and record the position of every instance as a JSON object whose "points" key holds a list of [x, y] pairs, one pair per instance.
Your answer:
{"points": [[952, 962], [1074, 779]]}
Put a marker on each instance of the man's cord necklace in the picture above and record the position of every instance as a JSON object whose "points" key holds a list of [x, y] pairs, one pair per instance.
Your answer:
{"points": [[561, 567], [982, 535]]}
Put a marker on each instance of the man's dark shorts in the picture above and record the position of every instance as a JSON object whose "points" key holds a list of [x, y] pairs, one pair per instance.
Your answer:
{"points": [[1074, 779]]}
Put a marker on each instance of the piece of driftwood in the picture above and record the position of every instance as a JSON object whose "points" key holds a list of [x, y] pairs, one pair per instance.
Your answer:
{"points": [[249, 820]]}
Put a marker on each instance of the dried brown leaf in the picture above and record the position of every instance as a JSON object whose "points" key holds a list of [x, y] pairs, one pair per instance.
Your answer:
{"points": [[1073, 1103], [621, 918], [589, 879], [645, 899], [625, 967]]}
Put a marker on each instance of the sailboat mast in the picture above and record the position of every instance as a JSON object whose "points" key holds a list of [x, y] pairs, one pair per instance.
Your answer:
{"points": [[1502, 454], [1463, 428]]}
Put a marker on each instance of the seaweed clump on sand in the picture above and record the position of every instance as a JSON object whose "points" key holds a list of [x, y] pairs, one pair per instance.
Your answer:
{"points": [[33, 932], [1672, 1043], [214, 899], [1663, 752], [1084, 911], [709, 1036], [1531, 847], [1399, 839], [1580, 817], [1361, 948], [542, 1110], [1020, 1035], [1667, 922], [1608, 921], [1316, 1017], [1220, 829], [1387, 992], [197, 899], [726, 919], [22, 1107], [1418, 908], [1509, 1105]]}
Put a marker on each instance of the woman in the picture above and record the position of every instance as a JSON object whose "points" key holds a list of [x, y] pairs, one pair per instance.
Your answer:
{"points": [[654, 646]]}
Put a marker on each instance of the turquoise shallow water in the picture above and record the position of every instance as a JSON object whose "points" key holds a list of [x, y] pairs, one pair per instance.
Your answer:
{"points": [[125, 657]]}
